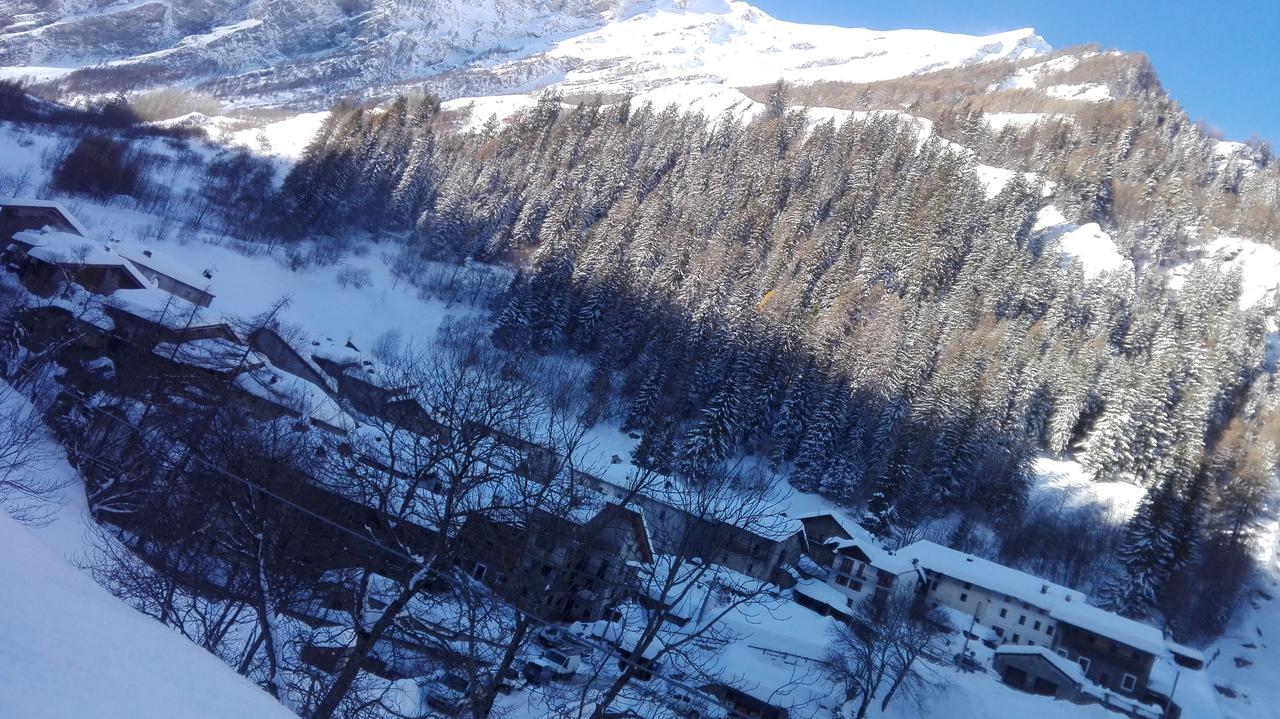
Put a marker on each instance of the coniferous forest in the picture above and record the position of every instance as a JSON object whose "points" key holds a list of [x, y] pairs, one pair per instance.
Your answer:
{"points": [[848, 305], [652, 358]]}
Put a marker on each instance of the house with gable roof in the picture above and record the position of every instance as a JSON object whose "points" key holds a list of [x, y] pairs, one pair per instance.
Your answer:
{"points": [[170, 274], [18, 214], [859, 572], [45, 259]]}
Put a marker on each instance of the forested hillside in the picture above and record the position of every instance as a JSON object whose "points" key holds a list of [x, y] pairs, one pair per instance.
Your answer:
{"points": [[570, 365], [850, 304]]}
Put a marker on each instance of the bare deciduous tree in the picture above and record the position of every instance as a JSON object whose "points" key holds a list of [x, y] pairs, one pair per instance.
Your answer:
{"points": [[883, 657]]}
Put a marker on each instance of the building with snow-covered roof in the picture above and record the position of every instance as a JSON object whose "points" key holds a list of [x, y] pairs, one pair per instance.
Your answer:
{"points": [[762, 545], [868, 575], [147, 316], [860, 572], [47, 259], [570, 563], [284, 355], [170, 274], [18, 214], [1013, 604], [822, 525], [1115, 652]]}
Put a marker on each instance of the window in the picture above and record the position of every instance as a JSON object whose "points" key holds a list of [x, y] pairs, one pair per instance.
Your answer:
{"points": [[1062, 652], [934, 585], [1128, 682], [855, 586], [1022, 619], [842, 580], [1016, 638], [1036, 626], [479, 570], [998, 630], [1049, 630], [964, 597], [968, 585], [1084, 663], [846, 564], [1003, 612]]}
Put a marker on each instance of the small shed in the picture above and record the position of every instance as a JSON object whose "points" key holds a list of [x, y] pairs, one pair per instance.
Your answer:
{"points": [[1038, 670]]}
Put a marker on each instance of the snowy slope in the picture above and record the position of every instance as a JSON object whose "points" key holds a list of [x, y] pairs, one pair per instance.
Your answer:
{"points": [[1244, 662], [1087, 244], [1065, 483], [733, 43], [71, 649], [307, 53], [1258, 265]]}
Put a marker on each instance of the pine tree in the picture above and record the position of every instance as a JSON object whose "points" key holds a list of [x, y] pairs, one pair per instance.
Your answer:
{"points": [[713, 436], [1148, 554]]}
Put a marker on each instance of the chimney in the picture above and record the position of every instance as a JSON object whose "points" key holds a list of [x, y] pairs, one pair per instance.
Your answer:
{"points": [[207, 274], [146, 253], [1044, 588]]}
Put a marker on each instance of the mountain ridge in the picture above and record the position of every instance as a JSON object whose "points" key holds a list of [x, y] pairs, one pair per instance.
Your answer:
{"points": [[304, 54]]}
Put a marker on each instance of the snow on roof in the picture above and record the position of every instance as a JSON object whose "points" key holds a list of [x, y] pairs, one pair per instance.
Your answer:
{"points": [[777, 655], [807, 566], [214, 353], [990, 575], [823, 593], [677, 494], [846, 523], [881, 558], [67, 248], [48, 204], [156, 305], [339, 354], [1113, 626], [293, 393], [687, 586], [166, 265], [1185, 651], [1061, 663]]}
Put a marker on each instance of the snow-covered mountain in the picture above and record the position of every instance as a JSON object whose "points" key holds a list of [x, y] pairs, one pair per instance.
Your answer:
{"points": [[309, 52]]}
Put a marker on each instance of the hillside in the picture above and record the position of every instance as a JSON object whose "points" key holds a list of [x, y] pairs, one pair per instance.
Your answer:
{"points": [[648, 320], [72, 649]]}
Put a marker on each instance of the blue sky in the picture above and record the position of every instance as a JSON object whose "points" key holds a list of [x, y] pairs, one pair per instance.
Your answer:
{"points": [[1221, 60]]}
